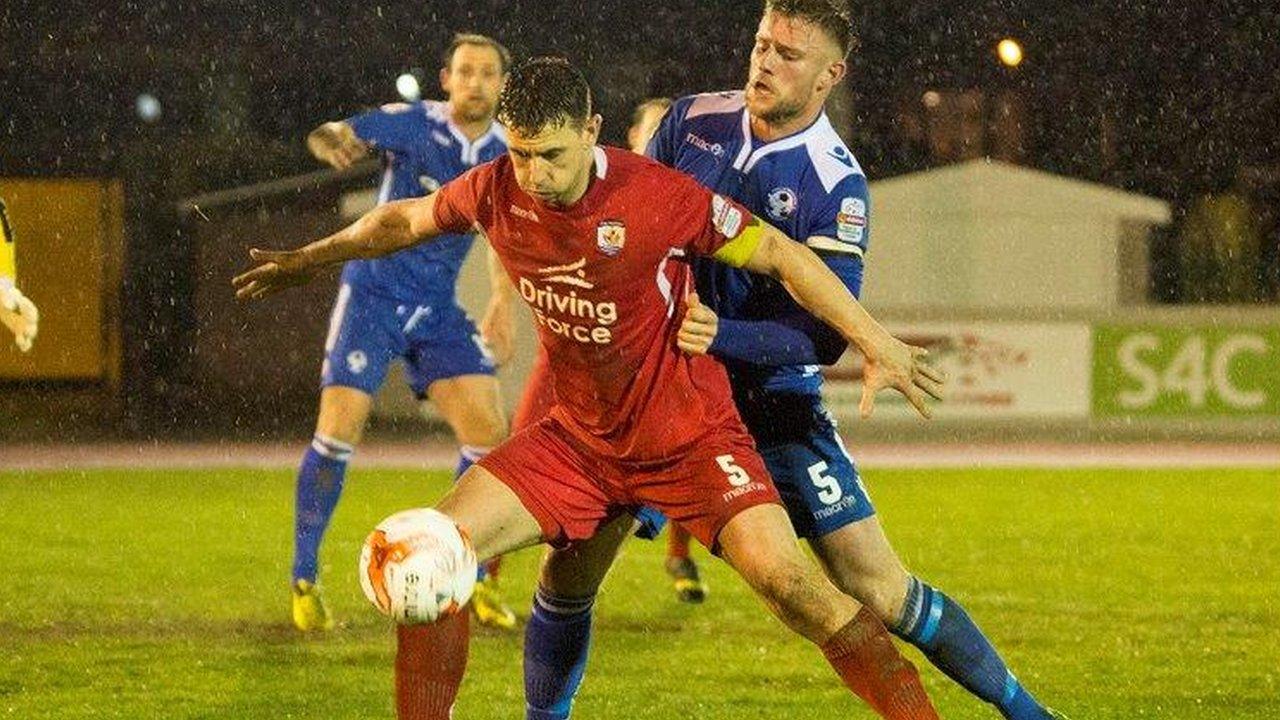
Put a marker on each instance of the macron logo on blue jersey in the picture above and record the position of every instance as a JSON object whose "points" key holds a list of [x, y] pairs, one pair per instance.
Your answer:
{"points": [[839, 153], [705, 145]]}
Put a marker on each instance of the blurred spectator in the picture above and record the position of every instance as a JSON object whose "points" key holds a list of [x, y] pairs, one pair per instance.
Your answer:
{"points": [[1263, 184], [1220, 249]]}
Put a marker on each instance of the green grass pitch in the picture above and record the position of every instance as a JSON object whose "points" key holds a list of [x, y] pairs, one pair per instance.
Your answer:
{"points": [[1113, 594]]}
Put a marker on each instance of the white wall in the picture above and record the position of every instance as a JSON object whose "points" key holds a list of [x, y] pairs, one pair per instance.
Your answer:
{"points": [[986, 235]]}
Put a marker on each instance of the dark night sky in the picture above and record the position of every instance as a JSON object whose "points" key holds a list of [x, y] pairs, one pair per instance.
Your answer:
{"points": [[1188, 90], [1194, 87]]}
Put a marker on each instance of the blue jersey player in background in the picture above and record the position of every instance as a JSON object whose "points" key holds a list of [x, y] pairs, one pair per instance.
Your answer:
{"points": [[403, 307], [773, 148]]}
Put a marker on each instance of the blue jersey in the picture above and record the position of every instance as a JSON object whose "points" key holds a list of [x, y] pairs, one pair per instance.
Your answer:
{"points": [[808, 185], [421, 150]]}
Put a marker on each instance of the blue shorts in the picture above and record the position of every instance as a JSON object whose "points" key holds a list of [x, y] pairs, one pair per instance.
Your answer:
{"points": [[367, 331], [811, 468]]}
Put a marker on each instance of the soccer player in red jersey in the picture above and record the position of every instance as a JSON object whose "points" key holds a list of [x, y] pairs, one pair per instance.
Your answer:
{"points": [[538, 398], [594, 240]]}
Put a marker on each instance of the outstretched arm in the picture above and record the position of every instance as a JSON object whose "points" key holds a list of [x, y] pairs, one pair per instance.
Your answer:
{"points": [[790, 337], [760, 248], [383, 230]]}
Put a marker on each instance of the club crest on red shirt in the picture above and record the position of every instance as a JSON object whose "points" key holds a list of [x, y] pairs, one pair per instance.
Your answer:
{"points": [[611, 235]]}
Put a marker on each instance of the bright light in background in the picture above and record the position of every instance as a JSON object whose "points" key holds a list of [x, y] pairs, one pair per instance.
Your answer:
{"points": [[931, 99], [407, 86], [1010, 52], [148, 107]]}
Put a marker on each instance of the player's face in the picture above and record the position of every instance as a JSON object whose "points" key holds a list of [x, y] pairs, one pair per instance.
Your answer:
{"points": [[639, 134], [554, 164], [794, 65], [473, 81]]}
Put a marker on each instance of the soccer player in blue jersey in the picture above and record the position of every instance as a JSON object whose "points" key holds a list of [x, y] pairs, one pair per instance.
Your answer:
{"points": [[404, 306], [772, 148]]}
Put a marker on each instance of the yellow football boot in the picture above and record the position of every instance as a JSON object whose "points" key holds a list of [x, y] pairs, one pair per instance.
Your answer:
{"points": [[309, 611], [684, 575], [488, 607]]}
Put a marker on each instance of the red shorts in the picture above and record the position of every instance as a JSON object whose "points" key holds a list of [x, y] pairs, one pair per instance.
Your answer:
{"points": [[572, 492]]}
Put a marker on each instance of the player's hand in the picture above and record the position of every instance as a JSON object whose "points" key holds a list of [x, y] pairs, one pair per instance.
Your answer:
{"points": [[336, 145], [20, 315], [498, 330], [902, 367], [698, 329], [341, 157], [277, 270]]}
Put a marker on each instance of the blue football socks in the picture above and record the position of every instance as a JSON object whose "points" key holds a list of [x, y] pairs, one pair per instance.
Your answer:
{"points": [[468, 455], [556, 640], [946, 635], [320, 477]]}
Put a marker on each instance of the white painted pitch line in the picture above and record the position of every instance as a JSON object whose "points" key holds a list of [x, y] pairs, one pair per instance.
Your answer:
{"points": [[436, 455]]}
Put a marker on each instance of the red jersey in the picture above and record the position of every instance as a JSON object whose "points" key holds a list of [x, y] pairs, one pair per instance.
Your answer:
{"points": [[605, 279]]}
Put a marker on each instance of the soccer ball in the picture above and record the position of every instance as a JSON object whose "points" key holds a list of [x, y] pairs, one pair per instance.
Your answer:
{"points": [[417, 566]]}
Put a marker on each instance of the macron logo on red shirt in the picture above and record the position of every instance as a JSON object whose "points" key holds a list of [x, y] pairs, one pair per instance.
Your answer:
{"points": [[526, 214]]}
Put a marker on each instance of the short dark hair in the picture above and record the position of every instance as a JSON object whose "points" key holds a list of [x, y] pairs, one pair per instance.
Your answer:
{"points": [[544, 92], [460, 39], [833, 16]]}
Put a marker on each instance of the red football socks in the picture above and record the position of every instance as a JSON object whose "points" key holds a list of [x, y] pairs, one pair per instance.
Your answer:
{"points": [[864, 656], [430, 662], [677, 542]]}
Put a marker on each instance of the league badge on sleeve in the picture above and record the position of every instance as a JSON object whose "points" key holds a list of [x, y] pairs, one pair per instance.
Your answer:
{"points": [[725, 217], [851, 222], [611, 235]]}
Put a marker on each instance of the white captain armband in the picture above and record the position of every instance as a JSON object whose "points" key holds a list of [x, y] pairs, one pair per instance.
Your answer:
{"points": [[828, 244]]}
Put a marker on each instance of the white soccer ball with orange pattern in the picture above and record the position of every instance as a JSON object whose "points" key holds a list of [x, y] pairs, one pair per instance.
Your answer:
{"points": [[417, 566]]}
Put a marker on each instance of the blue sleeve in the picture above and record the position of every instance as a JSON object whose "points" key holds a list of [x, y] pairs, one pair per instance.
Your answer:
{"points": [[395, 127], [791, 338], [662, 146]]}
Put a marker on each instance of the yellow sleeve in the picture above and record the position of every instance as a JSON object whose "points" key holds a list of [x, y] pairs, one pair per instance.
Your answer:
{"points": [[8, 265], [739, 250]]}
